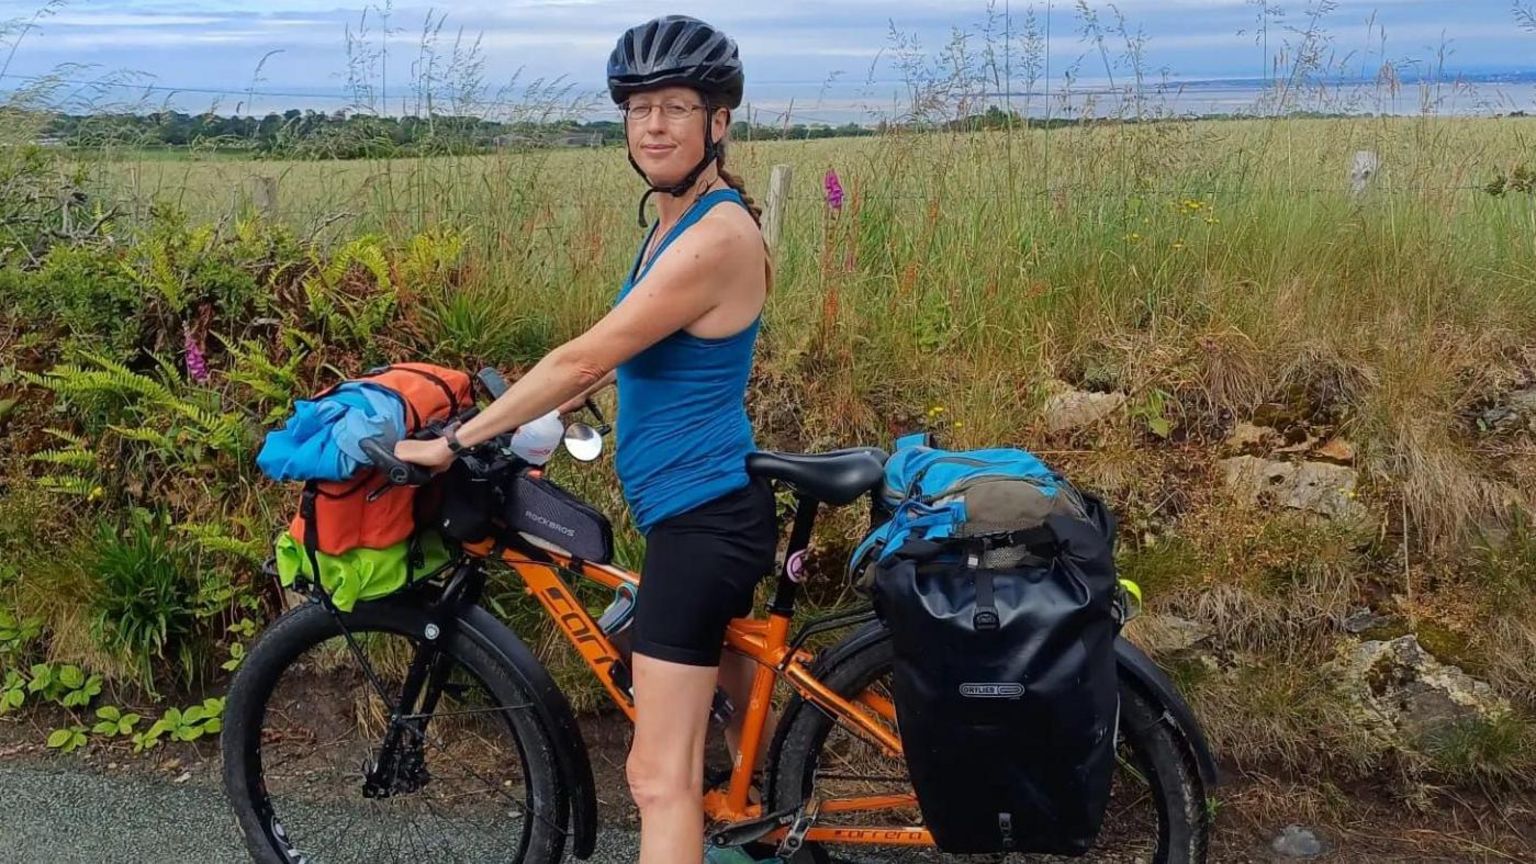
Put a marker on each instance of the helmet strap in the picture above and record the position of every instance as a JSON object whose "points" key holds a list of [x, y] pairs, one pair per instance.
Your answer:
{"points": [[681, 188]]}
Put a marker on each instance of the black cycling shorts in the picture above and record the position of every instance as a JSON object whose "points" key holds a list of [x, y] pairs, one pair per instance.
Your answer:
{"points": [[701, 569]]}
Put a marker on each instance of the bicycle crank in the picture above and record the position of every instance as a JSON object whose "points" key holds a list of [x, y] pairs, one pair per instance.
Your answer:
{"points": [[752, 830], [798, 819]]}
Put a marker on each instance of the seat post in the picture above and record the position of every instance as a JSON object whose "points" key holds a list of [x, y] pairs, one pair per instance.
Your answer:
{"points": [[794, 556]]}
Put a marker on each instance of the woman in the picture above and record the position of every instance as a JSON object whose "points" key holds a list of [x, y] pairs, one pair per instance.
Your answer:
{"points": [[679, 343]]}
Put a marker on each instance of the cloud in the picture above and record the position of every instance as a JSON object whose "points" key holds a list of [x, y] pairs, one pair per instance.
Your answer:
{"points": [[792, 47], [128, 19]]}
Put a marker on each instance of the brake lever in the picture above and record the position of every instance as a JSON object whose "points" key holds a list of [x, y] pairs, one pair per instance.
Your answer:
{"points": [[602, 423]]}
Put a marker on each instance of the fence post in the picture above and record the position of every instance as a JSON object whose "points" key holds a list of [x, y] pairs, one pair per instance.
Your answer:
{"points": [[1366, 166], [66, 220], [778, 200], [266, 197]]}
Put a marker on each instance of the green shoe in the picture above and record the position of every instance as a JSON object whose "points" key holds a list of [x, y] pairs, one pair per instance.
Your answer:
{"points": [[732, 855]]}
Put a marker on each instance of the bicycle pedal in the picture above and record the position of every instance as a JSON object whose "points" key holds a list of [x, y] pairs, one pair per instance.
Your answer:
{"points": [[794, 838], [752, 830]]}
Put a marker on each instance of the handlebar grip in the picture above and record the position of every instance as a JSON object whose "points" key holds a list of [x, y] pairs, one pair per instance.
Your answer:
{"points": [[399, 473]]}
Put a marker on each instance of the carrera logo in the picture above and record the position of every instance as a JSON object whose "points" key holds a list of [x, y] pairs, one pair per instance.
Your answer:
{"points": [[569, 532], [992, 691]]}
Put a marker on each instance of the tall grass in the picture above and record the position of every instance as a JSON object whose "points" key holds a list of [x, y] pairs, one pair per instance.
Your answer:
{"points": [[1221, 262], [1212, 271]]}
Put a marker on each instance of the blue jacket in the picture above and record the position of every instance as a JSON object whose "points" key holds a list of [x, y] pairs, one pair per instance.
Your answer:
{"points": [[321, 440]]}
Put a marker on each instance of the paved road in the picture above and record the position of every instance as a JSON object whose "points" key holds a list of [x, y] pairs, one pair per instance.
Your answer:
{"points": [[58, 814]]}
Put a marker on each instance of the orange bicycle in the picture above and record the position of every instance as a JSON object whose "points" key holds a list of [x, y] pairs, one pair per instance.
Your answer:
{"points": [[421, 728]]}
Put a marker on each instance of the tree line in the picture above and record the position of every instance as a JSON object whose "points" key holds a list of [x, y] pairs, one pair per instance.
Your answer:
{"points": [[308, 133]]}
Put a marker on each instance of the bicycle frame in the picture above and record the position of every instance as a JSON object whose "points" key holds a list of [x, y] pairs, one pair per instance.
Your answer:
{"points": [[765, 641]]}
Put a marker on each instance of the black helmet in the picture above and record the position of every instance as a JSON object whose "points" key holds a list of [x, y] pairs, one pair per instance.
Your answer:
{"points": [[676, 50]]}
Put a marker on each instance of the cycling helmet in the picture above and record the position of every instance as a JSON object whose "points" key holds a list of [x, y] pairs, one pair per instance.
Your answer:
{"points": [[677, 51]]}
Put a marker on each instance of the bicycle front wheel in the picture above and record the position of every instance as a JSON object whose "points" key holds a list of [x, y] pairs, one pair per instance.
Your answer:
{"points": [[322, 766]]}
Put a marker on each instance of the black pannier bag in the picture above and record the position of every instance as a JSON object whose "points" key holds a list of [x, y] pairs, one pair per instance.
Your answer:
{"points": [[1005, 684]]}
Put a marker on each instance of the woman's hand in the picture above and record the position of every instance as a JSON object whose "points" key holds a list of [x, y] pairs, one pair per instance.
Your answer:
{"points": [[433, 454]]}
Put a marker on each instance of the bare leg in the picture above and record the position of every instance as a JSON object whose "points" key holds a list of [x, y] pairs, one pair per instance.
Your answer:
{"points": [[666, 760], [736, 674]]}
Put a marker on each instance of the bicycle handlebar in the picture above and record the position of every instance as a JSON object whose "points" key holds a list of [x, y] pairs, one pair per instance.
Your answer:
{"points": [[399, 472]]}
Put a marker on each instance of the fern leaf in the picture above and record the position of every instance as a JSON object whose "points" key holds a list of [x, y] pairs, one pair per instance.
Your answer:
{"points": [[67, 437], [66, 458], [67, 485]]}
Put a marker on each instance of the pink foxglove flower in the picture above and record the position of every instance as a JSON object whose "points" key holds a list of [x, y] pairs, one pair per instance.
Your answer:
{"points": [[834, 192], [197, 362]]}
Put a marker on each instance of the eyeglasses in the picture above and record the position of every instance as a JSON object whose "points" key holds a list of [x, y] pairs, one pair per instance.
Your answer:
{"points": [[675, 112]]}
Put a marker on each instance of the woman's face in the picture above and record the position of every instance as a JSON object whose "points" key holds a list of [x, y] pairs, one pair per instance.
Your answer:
{"points": [[666, 132]]}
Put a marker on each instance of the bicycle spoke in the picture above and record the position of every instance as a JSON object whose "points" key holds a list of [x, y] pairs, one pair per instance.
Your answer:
{"points": [[453, 791], [477, 712], [436, 745]]}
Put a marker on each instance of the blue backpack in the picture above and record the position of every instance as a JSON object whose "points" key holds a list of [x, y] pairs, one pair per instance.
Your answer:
{"points": [[935, 494]]}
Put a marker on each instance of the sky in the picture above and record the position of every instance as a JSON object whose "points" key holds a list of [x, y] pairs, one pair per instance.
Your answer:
{"points": [[828, 59]]}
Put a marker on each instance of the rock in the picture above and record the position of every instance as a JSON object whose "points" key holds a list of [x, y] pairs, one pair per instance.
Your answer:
{"points": [[1403, 693], [1301, 441], [1516, 411], [1250, 438], [1168, 636], [1075, 409], [1361, 620], [1523, 401], [1337, 450], [1499, 418], [1314, 486], [1297, 842]]}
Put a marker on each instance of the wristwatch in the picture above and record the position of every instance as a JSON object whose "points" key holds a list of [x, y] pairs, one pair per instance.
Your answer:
{"points": [[451, 435]]}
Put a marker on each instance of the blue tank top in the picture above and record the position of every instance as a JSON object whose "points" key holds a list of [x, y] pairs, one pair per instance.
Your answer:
{"points": [[683, 432]]}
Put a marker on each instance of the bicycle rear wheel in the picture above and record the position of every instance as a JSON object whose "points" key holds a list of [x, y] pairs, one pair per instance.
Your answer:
{"points": [[1156, 814], [471, 778]]}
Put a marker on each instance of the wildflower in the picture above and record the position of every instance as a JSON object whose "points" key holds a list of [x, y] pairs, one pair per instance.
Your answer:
{"points": [[1178, 245], [1212, 220], [96, 493], [197, 362], [834, 188], [1134, 237]]}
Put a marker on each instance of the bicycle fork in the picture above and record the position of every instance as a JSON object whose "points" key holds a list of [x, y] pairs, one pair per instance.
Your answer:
{"points": [[400, 765]]}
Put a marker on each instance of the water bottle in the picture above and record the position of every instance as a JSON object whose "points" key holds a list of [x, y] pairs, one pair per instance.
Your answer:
{"points": [[616, 622], [535, 441]]}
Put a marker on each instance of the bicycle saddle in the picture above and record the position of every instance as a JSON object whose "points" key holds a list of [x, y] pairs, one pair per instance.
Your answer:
{"points": [[834, 478]]}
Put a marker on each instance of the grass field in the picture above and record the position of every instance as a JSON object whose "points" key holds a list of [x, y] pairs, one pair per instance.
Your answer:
{"points": [[1218, 260], [1214, 272]]}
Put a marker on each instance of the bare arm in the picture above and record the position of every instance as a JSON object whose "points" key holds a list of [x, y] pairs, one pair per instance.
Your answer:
{"points": [[576, 403], [679, 289]]}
